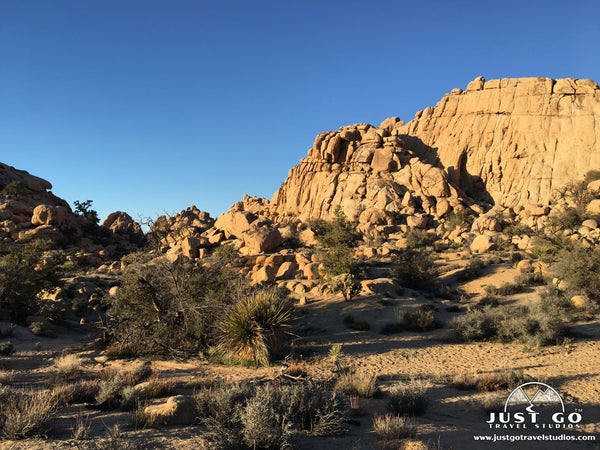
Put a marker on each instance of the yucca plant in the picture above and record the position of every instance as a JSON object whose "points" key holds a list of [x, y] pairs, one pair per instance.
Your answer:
{"points": [[254, 328]]}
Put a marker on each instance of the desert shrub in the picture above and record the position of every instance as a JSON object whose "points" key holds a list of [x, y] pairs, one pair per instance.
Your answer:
{"points": [[41, 329], [337, 231], [502, 379], [110, 392], [415, 268], [534, 328], [393, 427], [417, 238], [580, 268], [419, 319], [134, 376], [464, 381], [81, 431], [158, 386], [546, 247], [518, 229], [6, 377], [6, 348], [16, 189], [242, 416], [347, 284], [354, 383], [568, 218], [81, 391], [477, 325], [262, 426], [254, 328], [579, 194], [27, 414], [460, 217], [170, 309], [68, 366], [408, 398], [224, 254], [130, 397], [22, 277]]}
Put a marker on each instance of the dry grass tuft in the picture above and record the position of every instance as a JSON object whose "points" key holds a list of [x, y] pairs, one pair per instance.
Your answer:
{"points": [[408, 398], [361, 384], [81, 431], [26, 414], [6, 377], [158, 386], [393, 427], [82, 391], [68, 366]]}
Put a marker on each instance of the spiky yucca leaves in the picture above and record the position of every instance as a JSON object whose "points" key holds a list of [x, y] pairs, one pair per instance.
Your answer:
{"points": [[254, 328]]}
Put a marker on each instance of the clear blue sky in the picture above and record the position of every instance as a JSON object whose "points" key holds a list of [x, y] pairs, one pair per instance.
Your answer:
{"points": [[151, 106]]}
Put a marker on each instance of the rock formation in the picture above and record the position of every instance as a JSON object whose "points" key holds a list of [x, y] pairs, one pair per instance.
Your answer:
{"points": [[361, 167], [515, 139]]}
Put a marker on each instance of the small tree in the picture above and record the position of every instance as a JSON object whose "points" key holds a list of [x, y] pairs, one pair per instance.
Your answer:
{"points": [[347, 284], [338, 238], [22, 277], [84, 209]]}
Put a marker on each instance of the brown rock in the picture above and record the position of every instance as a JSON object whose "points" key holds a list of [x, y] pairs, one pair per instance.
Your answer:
{"points": [[419, 221], [483, 243], [178, 410], [262, 239], [48, 215], [264, 275], [190, 247], [121, 223], [286, 271]]}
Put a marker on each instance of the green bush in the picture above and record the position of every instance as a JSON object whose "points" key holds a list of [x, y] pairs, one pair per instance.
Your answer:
{"points": [[415, 268], [460, 217], [347, 284], [518, 229], [170, 309], [16, 189], [580, 268], [338, 238], [22, 277], [477, 325], [253, 329], [417, 238], [241, 416], [532, 327]]}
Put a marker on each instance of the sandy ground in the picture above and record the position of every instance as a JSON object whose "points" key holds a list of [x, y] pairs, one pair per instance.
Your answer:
{"points": [[453, 416]]}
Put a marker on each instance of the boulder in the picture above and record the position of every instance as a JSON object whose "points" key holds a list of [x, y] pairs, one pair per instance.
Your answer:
{"points": [[417, 221], [48, 215], [262, 239], [482, 243], [264, 275], [235, 223], [121, 223], [286, 271], [177, 410]]}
